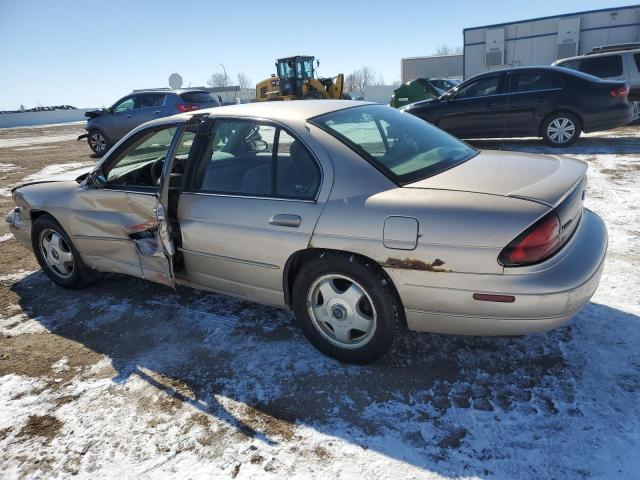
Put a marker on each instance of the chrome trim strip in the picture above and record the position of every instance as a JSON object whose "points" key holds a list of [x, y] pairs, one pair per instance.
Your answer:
{"points": [[111, 239], [230, 259], [232, 195]]}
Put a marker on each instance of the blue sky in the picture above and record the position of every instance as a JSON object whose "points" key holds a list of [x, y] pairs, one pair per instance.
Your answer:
{"points": [[89, 53]]}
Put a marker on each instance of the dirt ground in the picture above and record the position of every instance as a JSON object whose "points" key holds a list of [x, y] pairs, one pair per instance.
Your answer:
{"points": [[129, 378]]}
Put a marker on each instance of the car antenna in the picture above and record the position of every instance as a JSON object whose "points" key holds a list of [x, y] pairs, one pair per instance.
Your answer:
{"points": [[508, 86]]}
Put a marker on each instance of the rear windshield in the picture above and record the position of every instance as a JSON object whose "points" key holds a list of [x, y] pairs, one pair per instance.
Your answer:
{"points": [[402, 146], [197, 97]]}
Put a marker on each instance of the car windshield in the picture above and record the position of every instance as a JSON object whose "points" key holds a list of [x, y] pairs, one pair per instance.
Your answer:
{"points": [[402, 146]]}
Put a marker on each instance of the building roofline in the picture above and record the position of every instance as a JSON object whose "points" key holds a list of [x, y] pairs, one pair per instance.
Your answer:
{"points": [[562, 15], [434, 56]]}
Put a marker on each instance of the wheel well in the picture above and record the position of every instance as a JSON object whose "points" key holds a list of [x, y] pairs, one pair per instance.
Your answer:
{"points": [[298, 259], [564, 110], [38, 213]]}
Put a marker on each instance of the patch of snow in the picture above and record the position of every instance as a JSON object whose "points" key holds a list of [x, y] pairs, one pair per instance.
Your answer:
{"points": [[36, 140], [8, 167], [52, 170], [6, 237]]}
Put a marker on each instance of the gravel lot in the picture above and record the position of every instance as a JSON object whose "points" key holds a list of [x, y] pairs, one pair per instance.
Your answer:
{"points": [[131, 379]]}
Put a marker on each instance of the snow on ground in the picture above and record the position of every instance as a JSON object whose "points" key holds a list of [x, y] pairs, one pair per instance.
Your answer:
{"points": [[35, 140], [145, 383]]}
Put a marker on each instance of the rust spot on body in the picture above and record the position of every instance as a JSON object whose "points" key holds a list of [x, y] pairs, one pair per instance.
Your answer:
{"points": [[141, 227], [414, 264]]}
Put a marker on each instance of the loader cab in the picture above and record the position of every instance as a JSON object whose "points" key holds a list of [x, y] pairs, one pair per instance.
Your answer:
{"points": [[293, 72]]}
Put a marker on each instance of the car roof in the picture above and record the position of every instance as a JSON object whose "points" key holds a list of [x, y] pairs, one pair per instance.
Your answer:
{"points": [[283, 111], [165, 91], [601, 54]]}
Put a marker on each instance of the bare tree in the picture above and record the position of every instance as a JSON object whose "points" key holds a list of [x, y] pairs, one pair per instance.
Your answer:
{"points": [[219, 80], [244, 81], [448, 50], [358, 81]]}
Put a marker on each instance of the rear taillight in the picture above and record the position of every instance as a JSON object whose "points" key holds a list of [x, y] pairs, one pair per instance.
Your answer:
{"points": [[535, 244], [621, 91], [187, 107]]}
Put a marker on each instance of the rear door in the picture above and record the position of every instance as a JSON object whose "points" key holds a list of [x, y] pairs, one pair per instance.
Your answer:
{"points": [[477, 108], [254, 197], [148, 106], [531, 96], [123, 224]]}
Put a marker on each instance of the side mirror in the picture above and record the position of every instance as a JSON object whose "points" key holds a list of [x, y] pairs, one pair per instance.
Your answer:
{"points": [[258, 146], [97, 179]]}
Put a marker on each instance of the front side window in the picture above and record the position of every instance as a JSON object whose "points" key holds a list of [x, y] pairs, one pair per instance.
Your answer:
{"points": [[402, 146], [531, 82], [603, 67], [124, 105], [140, 164], [285, 69], [256, 159], [479, 88]]}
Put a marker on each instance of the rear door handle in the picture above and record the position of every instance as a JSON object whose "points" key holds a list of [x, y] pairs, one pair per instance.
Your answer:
{"points": [[157, 112], [129, 116], [285, 220], [488, 105]]}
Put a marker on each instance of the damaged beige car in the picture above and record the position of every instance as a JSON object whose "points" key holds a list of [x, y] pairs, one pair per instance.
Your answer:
{"points": [[362, 219]]}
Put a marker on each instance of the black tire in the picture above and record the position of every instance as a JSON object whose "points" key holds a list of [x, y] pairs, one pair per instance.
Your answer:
{"points": [[313, 96], [556, 128], [378, 291], [98, 142], [80, 275]]}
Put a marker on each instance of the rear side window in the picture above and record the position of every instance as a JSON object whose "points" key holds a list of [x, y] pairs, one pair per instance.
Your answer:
{"points": [[256, 159], [603, 67], [197, 97], [530, 82], [149, 100]]}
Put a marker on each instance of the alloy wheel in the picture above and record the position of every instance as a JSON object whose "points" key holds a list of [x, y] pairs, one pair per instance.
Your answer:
{"points": [[56, 253], [342, 311], [561, 130], [97, 142]]}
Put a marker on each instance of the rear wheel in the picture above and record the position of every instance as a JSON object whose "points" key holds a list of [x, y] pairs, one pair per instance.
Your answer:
{"points": [[636, 112], [56, 255], [98, 142], [346, 308], [561, 129]]}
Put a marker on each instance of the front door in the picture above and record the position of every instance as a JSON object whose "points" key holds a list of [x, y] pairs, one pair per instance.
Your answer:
{"points": [[476, 109], [253, 200], [122, 225]]}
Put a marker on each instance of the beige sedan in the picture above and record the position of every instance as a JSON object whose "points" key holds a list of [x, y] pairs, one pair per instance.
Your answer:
{"points": [[362, 219]]}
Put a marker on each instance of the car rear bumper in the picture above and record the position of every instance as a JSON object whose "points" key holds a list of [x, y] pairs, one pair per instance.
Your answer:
{"points": [[546, 295], [608, 119]]}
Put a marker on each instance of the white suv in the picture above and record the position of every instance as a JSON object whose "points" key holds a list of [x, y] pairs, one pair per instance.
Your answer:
{"points": [[614, 62]]}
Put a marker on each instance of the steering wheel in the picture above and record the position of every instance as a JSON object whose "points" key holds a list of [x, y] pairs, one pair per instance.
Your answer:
{"points": [[156, 171]]}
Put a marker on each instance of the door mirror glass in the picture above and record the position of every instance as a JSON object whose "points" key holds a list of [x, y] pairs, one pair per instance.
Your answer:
{"points": [[97, 179], [258, 145]]}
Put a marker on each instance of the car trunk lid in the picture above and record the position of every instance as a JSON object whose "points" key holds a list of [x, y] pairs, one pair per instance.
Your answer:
{"points": [[546, 179]]}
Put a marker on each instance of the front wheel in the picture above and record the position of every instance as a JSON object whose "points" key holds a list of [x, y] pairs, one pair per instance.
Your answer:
{"points": [[561, 129], [56, 255], [346, 308], [97, 142]]}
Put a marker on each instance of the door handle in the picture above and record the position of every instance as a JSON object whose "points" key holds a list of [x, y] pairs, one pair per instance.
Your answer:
{"points": [[157, 112], [488, 105], [285, 220], [129, 116]]}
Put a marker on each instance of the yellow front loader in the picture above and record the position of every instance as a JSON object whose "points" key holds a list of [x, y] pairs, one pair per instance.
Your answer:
{"points": [[296, 80]]}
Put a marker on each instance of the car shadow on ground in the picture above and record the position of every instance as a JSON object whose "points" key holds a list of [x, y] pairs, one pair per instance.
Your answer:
{"points": [[592, 145], [452, 405]]}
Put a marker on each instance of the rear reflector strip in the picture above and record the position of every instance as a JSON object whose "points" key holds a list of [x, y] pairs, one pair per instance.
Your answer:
{"points": [[484, 297]]}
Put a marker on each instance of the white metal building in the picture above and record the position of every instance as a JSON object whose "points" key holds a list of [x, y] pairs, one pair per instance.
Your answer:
{"points": [[435, 66], [541, 41]]}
